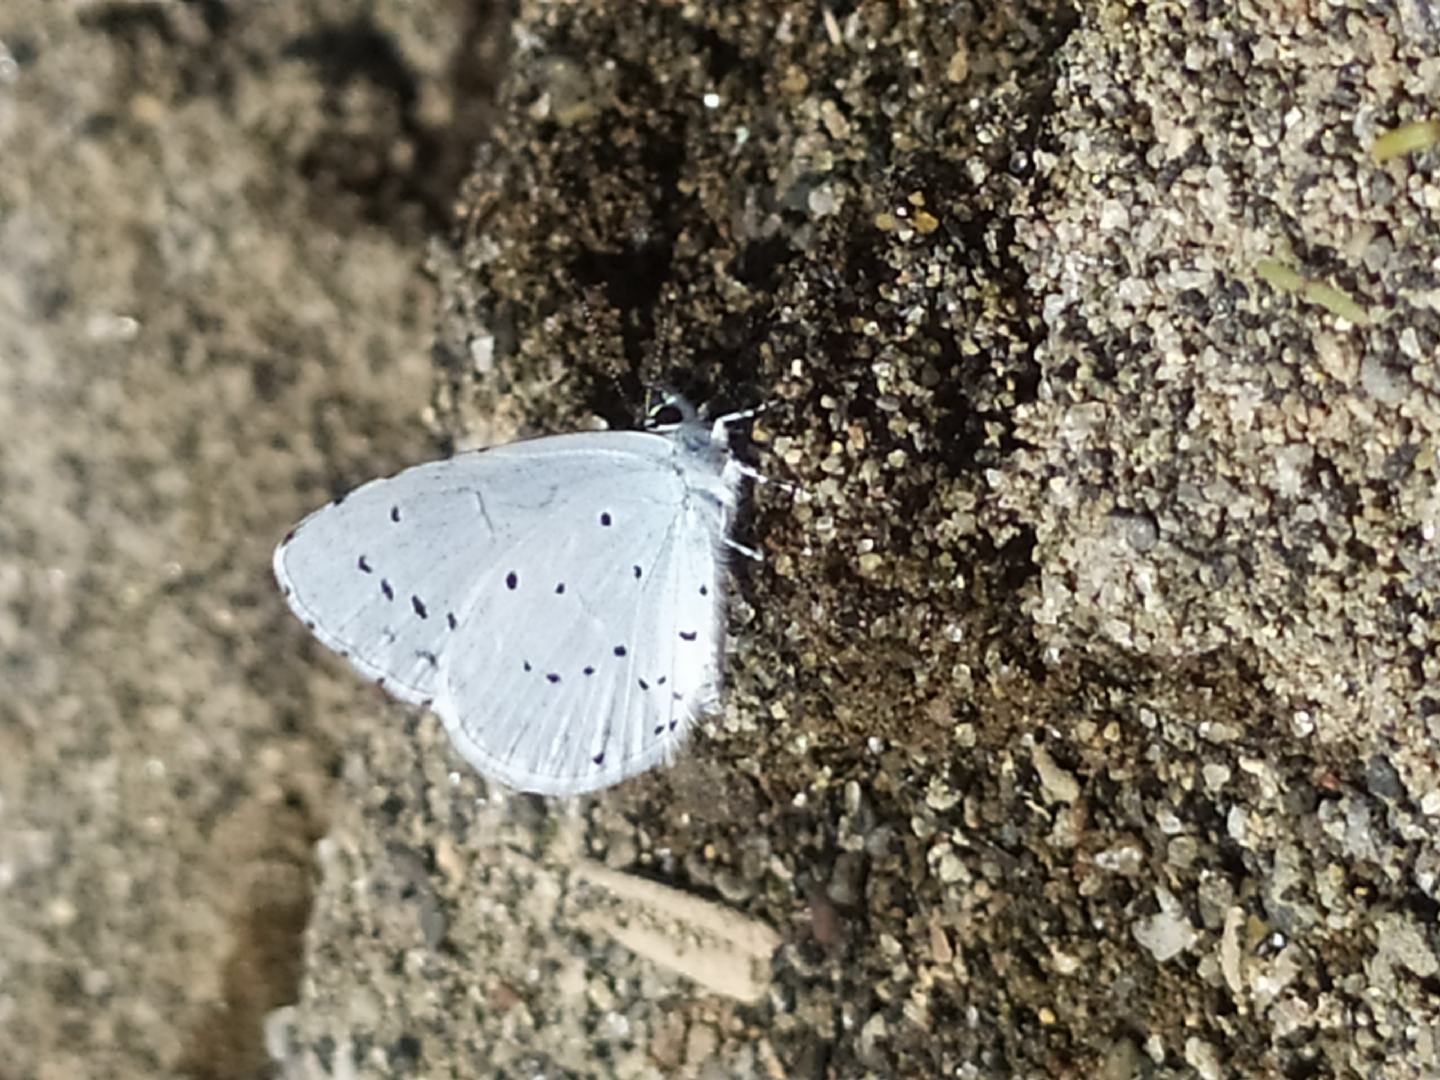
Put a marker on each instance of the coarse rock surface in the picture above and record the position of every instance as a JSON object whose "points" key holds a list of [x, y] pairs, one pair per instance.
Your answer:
{"points": [[1081, 716], [213, 316]]}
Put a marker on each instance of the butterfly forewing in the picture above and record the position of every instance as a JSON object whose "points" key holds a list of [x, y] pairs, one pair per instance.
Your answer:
{"points": [[364, 575], [384, 575]]}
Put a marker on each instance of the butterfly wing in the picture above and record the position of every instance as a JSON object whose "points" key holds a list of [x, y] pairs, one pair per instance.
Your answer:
{"points": [[383, 574], [555, 601], [592, 665]]}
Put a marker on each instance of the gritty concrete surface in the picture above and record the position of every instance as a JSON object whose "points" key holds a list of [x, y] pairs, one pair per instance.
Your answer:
{"points": [[1080, 717], [203, 333]]}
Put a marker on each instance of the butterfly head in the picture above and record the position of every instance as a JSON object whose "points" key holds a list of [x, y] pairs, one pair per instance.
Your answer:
{"points": [[674, 416]]}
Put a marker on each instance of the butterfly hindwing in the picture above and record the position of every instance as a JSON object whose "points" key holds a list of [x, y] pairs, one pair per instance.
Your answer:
{"points": [[586, 682]]}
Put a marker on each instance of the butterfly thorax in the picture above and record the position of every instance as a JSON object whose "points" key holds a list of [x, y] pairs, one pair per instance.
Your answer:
{"points": [[705, 462]]}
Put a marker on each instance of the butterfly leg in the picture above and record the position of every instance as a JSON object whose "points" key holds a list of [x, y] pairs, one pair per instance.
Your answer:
{"points": [[749, 471], [752, 473]]}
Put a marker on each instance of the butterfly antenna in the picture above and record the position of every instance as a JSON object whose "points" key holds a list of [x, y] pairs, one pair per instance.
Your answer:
{"points": [[748, 552], [738, 415]]}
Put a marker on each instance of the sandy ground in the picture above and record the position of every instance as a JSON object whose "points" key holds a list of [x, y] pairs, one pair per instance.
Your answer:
{"points": [[1081, 717]]}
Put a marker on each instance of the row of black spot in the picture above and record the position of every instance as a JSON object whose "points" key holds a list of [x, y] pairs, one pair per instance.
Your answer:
{"points": [[619, 651], [599, 759], [512, 581], [388, 591], [586, 670]]}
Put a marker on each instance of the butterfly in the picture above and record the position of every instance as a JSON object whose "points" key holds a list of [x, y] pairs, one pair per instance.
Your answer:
{"points": [[558, 602]]}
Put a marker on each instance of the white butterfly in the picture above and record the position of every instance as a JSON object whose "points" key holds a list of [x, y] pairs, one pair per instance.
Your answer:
{"points": [[557, 601]]}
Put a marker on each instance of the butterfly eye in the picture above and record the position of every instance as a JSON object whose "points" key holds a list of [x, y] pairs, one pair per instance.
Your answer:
{"points": [[666, 416], [669, 410]]}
